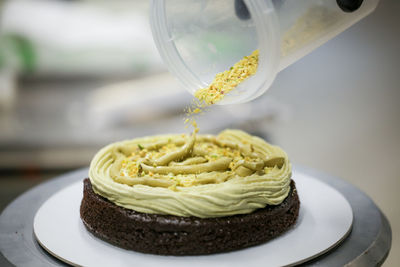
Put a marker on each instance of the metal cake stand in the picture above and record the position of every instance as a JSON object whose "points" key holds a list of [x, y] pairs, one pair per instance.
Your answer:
{"points": [[367, 245]]}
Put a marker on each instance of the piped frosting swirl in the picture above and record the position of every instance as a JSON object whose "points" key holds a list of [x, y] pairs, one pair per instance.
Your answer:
{"points": [[197, 175]]}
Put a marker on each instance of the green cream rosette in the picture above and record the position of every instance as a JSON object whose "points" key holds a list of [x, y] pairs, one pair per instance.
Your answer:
{"points": [[198, 175]]}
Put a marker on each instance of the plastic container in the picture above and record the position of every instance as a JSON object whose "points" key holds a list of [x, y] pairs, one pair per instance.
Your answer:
{"points": [[198, 39]]}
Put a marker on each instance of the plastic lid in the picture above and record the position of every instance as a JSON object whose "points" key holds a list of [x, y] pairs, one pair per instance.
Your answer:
{"points": [[198, 39]]}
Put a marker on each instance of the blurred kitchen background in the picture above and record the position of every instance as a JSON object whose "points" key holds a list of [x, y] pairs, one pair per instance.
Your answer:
{"points": [[77, 75]]}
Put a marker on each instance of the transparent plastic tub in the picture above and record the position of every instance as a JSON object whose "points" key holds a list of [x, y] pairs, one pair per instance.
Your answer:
{"points": [[199, 38]]}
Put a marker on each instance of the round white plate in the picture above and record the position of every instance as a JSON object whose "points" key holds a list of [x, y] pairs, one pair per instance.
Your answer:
{"points": [[325, 219]]}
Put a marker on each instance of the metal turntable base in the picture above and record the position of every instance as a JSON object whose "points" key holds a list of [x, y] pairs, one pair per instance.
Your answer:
{"points": [[367, 245]]}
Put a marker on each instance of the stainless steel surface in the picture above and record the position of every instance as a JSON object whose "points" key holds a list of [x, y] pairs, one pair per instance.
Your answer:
{"points": [[370, 240], [367, 245]]}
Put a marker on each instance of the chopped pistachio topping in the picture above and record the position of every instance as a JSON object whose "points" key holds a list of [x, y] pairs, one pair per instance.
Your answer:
{"points": [[182, 163], [222, 84], [226, 81]]}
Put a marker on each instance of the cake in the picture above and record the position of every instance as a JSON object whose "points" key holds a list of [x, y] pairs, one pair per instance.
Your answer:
{"points": [[189, 194]]}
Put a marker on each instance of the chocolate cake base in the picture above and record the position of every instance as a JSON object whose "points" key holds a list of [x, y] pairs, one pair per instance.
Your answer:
{"points": [[174, 235]]}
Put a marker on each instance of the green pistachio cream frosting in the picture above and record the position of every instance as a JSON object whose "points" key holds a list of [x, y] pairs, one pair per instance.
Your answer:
{"points": [[192, 175]]}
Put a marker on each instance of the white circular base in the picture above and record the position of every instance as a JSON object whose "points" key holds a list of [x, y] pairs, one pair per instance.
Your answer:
{"points": [[325, 219]]}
